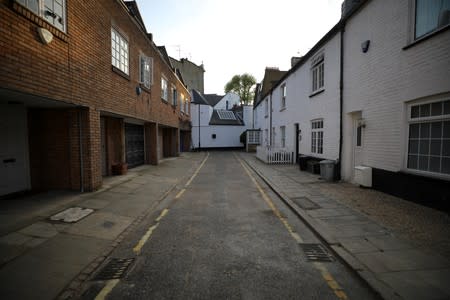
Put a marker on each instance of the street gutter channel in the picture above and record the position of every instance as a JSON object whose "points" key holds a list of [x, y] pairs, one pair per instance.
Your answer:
{"points": [[317, 233]]}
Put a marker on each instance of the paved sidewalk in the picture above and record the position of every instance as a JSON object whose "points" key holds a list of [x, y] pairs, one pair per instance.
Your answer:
{"points": [[39, 258], [395, 268]]}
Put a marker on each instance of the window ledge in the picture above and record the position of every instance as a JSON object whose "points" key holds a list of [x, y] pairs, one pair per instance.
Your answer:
{"points": [[426, 37], [283, 109], [317, 93], [121, 73], [144, 88], [28, 14], [164, 101]]}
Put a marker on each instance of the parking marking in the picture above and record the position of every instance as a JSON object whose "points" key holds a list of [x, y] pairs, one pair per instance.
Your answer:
{"points": [[163, 213], [107, 289], [180, 193], [137, 249], [198, 170], [331, 282]]}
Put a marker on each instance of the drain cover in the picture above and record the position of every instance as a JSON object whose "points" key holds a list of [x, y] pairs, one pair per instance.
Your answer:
{"points": [[71, 215], [115, 269], [316, 252], [305, 203]]}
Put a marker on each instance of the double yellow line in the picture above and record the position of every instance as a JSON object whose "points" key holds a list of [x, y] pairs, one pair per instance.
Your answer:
{"points": [[110, 284], [331, 282]]}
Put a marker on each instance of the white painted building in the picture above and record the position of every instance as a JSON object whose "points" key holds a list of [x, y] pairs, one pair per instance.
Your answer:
{"points": [[218, 128], [396, 112]]}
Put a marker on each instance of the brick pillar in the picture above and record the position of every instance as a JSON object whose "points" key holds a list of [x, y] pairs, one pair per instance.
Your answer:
{"points": [[151, 143], [91, 151], [177, 142]]}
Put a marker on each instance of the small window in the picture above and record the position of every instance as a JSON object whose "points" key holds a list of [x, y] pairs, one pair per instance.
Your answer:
{"points": [[53, 11], [164, 90], [187, 106], [431, 15], [119, 51], [174, 97], [283, 136], [317, 136], [182, 103], [146, 71], [317, 73], [283, 96], [266, 107]]}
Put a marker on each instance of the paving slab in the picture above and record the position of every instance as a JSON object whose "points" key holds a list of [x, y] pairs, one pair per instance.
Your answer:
{"points": [[15, 238], [40, 229], [388, 242], [330, 212], [100, 225], [94, 203], [357, 245], [402, 260]]}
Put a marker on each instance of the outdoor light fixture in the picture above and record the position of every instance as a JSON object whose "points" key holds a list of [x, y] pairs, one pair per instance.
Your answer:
{"points": [[45, 35], [365, 46], [138, 90]]}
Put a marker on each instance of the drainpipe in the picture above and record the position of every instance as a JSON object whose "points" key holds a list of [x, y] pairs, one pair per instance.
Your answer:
{"points": [[80, 136], [341, 100], [198, 126]]}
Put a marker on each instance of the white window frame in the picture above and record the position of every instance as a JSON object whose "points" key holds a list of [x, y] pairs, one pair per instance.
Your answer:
{"points": [[423, 120], [317, 136], [120, 54], [283, 136], [145, 70], [266, 108], [283, 96], [187, 108], [318, 73], [182, 103], [48, 13], [164, 89]]}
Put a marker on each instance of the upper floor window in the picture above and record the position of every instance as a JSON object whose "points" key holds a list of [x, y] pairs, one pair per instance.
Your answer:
{"points": [[119, 50], [317, 73], [174, 96], [187, 106], [317, 136], [266, 107], [164, 89], [283, 136], [146, 71], [283, 96], [182, 103], [431, 15], [53, 11], [429, 137]]}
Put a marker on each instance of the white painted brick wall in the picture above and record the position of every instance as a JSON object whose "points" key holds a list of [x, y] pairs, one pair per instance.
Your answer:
{"points": [[382, 81]]}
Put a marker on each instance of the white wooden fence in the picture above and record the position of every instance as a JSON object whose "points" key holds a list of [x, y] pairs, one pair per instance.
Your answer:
{"points": [[271, 155]]}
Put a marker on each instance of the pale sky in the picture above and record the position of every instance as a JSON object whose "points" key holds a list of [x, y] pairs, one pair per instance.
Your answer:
{"points": [[238, 36]]}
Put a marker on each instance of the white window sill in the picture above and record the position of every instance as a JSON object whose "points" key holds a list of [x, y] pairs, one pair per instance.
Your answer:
{"points": [[317, 92], [426, 174], [283, 108]]}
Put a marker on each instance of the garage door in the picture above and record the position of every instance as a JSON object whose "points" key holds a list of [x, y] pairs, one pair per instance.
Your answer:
{"points": [[134, 142]]}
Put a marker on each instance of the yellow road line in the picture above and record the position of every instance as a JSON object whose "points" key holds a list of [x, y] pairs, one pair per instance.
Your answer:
{"points": [[338, 291], [198, 170], [180, 193], [163, 213], [144, 239], [107, 289]]}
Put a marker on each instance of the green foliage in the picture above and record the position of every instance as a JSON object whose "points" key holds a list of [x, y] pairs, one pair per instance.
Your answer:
{"points": [[243, 85]]}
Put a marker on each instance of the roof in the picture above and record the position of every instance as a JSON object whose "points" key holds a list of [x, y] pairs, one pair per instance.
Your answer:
{"points": [[213, 99], [271, 77], [217, 119], [197, 98], [134, 11], [163, 51]]}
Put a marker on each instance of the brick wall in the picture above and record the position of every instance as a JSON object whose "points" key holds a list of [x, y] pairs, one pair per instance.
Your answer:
{"points": [[76, 67]]}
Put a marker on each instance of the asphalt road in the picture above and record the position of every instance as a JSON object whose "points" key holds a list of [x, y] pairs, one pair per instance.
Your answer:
{"points": [[225, 236]]}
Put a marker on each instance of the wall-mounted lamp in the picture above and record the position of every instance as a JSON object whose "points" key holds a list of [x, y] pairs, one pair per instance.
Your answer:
{"points": [[365, 46], [45, 35], [362, 123], [138, 90]]}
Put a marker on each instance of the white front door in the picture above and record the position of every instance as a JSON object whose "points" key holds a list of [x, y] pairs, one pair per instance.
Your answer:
{"points": [[358, 145], [14, 165]]}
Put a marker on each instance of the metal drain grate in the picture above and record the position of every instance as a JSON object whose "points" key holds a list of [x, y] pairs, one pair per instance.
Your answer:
{"points": [[316, 252], [115, 269], [305, 203]]}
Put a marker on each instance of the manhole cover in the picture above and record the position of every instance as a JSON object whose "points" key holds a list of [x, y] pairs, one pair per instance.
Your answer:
{"points": [[115, 269], [305, 203], [316, 252], [71, 215]]}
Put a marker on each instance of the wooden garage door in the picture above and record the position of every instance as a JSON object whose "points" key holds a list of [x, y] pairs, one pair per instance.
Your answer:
{"points": [[134, 143]]}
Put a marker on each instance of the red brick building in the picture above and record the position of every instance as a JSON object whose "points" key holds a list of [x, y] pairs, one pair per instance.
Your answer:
{"points": [[83, 88]]}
